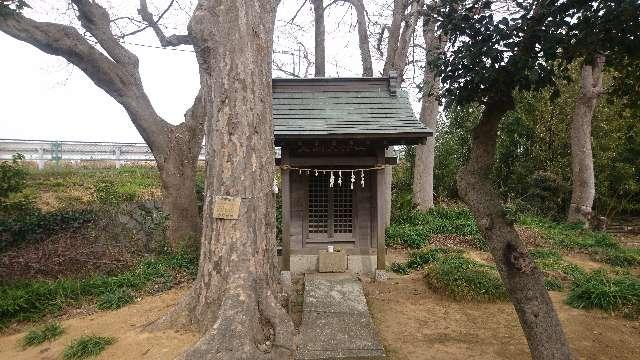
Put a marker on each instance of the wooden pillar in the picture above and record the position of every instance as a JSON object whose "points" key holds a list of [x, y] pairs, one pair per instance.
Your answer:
{"points": [[380, 211], [286, 211]]}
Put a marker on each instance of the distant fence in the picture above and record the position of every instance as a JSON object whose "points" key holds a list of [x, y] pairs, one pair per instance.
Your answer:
{"points": [[42, 151]]}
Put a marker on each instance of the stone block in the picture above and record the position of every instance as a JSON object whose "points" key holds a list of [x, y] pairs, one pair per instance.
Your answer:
{"points": [[332, 261]]}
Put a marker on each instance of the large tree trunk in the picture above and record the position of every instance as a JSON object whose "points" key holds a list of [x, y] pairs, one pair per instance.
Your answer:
{"points": [[583, 191], [522, 278], [424, 162], [234, 299], [318, 15]]}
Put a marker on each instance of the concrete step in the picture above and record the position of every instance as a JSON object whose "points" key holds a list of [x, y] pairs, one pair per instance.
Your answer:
{"points": [[336, 323]]}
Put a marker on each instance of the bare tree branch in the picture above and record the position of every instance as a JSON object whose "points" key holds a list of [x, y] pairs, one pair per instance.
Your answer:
{"points": [[363, 36], [297, 12], [116, 74], [173, 40]]}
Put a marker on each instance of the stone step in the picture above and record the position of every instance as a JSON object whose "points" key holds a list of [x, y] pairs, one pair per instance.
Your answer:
{"points": [[336, 323]]}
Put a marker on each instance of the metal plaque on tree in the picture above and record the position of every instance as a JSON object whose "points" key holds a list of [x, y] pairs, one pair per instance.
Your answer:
{"points": [[226, 207]]}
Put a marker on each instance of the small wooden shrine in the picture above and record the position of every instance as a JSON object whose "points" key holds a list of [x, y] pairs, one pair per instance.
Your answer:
{"points": [[333, 133]]}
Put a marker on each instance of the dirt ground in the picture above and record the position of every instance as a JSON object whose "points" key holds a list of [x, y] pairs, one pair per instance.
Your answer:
{"points": [[124, 324], [413, 322], [416, 323]]}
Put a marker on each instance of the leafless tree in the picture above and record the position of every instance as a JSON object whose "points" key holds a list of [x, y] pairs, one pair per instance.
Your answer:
{"points": [[115, 70]]}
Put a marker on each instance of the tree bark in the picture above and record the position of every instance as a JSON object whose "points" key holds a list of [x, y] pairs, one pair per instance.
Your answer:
{"points": [[177, 169], [234, 300], [424, 162], [583, 190], [318, 16], [522, 278]]}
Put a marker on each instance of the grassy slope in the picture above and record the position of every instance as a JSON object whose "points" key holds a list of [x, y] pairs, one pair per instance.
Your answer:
{"points": [[447, 270]]}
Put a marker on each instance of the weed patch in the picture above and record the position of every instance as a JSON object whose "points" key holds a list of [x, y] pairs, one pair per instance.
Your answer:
{"points": [[414, 229], [418, 259], [37, 336], [464, 279], [32, 300], [599, 290], [87, 346], [550, 261], [600, 245]]}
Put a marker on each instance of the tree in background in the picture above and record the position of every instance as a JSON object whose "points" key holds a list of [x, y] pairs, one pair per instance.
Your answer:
{"points": [[496, 48], [116, 71], [429, 112], [584, 189]]}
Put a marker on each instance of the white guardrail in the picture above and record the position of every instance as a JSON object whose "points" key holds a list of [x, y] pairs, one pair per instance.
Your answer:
{"points": [[42, 151]]}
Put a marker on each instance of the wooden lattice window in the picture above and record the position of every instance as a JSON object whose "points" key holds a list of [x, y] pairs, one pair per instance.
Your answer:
{"points": [[342, 209], [330, 208], [318, 205]]}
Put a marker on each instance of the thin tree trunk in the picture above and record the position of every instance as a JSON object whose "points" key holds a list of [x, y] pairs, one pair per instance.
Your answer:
{"points": [[234, 299], [318, 15], [399, 7], [583, 190], [424, 162], [396, 60], [363, 38], [522, 278]]}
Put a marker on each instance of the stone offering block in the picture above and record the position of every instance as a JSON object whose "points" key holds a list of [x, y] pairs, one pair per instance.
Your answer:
{"points": [[332, 262]]}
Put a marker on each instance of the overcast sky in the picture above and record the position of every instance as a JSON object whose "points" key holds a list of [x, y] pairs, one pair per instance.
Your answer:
{"points": [[45, 98]]}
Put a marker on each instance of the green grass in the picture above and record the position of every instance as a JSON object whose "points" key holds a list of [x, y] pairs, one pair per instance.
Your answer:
{"points": [[600, 245], [87, 346], [37, 336], [464, 279], [599, 290], [418, 259], [551, 260], [414, 229], [32, 300]]}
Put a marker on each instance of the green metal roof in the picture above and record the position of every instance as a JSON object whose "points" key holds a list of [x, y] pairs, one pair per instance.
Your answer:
{"points": [[344, 108]]}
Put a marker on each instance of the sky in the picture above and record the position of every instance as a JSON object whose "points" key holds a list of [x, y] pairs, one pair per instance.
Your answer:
{"points": [[43, 97]]}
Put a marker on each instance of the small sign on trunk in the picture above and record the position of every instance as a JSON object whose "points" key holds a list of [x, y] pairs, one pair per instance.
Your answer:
{"points": [[226, 207]]}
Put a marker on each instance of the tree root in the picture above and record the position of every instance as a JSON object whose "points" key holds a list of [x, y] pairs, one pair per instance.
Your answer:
{"points": [[249, 323]]}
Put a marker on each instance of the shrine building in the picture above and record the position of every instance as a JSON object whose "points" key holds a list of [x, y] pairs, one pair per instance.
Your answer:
{"points": [[334, 134]]}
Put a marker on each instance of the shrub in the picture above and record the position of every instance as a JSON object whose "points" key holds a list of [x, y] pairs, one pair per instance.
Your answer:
{"points": [[87, 346], [598, 290], [465, 279], [37, 336], [13, 176]]}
